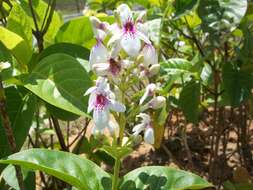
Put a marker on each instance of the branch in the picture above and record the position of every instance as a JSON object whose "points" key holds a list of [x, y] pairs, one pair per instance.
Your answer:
{"points": [[59, 134]]}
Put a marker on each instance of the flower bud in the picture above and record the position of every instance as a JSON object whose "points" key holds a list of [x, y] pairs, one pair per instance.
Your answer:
{"points": [[149, 136], [157, 102], [154, 69]]}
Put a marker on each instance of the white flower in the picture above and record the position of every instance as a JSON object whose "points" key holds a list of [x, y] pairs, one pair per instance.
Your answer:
{"points": [[145, 126], [129, 38], [101, 101], [149, 91]]}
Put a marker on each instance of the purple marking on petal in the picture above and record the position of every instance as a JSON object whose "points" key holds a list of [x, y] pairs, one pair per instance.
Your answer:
{"points": [[115, 67], [99, 42], [129, 27], [101, 101]]}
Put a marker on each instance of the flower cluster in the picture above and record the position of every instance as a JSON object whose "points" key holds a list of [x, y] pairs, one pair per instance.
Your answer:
{"points": [[124, 66]]}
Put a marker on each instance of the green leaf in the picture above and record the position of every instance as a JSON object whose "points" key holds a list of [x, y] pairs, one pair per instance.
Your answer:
{"points": [[79, 31], [81, 53], [184, 6], [221, 15], [117, 152], [19, 22], [77, 51], [176, 66], [189, 100], [60, 80], [9, 175], [237, 84], [20, 109], [73, 169], [161, 178], [61, 114], [17, 45]]}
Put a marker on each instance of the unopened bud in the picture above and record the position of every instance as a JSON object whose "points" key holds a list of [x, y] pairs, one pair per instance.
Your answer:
{"points": [[157, 102], [154, 69]]}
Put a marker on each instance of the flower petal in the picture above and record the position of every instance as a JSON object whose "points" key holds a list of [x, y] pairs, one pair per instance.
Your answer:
{"points": [[149, 91], [116, 106], [145, 118], [124, 13], [149, 55], [131, 44], [90, 90], [101, 69], [138, 128], [99, 54], [143, 37], [149, 136], [113, 127], [144, 97], [91, 103], [101, 117]]}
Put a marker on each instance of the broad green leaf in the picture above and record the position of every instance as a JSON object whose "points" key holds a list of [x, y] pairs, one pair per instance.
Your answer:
{"points": [[79, 52], [173, 69], [9, 175], [75, 170], [237, 84], [61, 114], [162, 178], [184, 6], [60, 80], [19, 22], [219, 15], [79, 31], [176, 66], [21, 109], [189, 100], [17, 45]]}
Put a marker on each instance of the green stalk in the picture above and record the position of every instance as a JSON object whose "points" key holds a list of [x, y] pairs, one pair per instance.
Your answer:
{"points": [[116, 174]]}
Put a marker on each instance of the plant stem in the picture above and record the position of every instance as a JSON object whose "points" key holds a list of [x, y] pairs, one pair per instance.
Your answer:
{"points": [[9, 132], [116, 174], [59, 134]]}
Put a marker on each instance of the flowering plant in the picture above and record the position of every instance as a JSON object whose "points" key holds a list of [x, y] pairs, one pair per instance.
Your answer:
{"points": [[126, 100]]}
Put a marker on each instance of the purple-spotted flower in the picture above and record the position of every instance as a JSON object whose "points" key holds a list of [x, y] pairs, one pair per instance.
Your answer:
{"points": [[129, 36], [145, 126], [101, 101]]}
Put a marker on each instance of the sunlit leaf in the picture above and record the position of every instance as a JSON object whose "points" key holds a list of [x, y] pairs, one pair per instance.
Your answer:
{"points": [[158, 178], [75, 170], [60, 80]]}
